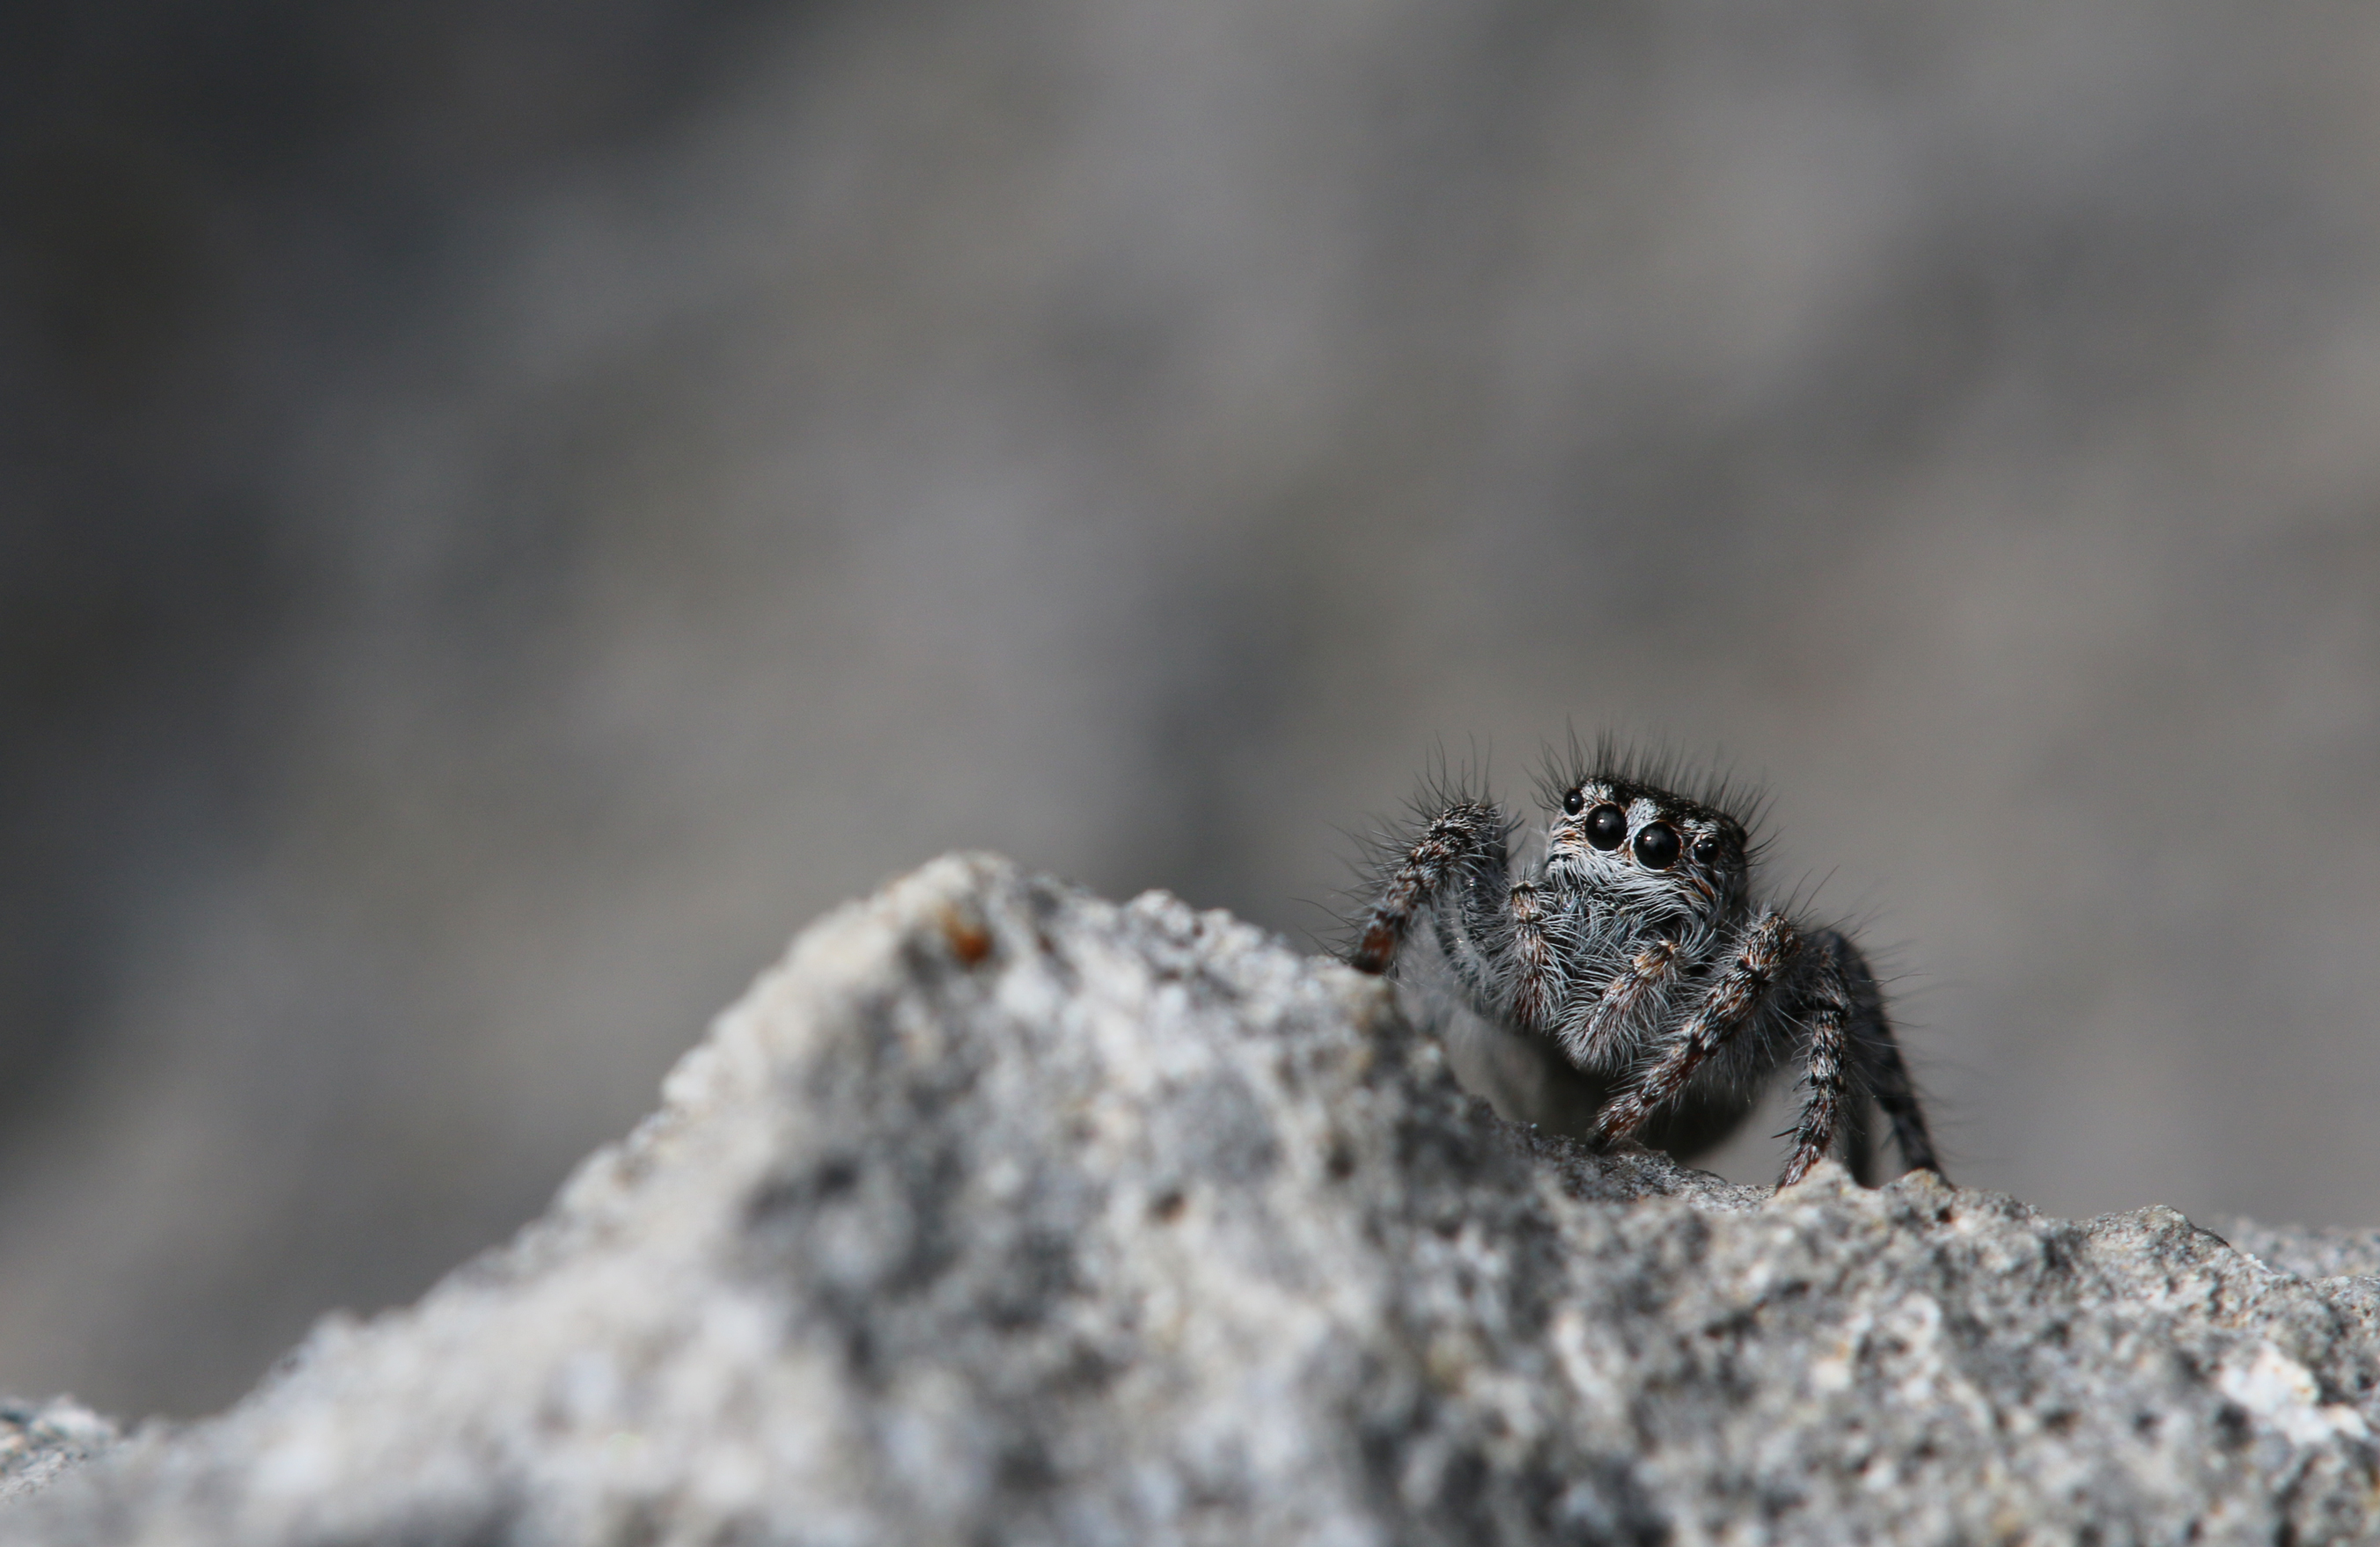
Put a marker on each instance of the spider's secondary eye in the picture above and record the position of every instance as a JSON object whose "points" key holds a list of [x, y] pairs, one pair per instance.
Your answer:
{"points": [[1656, 846], [1606, 826], [1706, 847], [1573, 803]]}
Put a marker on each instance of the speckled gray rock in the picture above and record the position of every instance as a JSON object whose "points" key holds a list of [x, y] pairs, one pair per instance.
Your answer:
{"points": [[998, 1213], [41, 1441]]}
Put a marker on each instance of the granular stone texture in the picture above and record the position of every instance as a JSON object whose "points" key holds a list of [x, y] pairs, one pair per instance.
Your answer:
{"points": [[997, 1213], [40, 1440]]}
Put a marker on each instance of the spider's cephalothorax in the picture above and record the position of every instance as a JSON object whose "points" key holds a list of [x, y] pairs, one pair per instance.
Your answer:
{"points": [[1634, 942]]}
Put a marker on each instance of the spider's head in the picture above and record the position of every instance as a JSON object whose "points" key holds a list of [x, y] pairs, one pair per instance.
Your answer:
{"points": [[1658, 852]]}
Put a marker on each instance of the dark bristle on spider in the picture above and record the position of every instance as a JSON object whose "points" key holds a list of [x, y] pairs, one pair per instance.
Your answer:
{"points": [[1635, 942]]}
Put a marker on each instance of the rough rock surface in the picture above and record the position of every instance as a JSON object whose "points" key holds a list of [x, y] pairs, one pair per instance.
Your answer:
{"points": [[998, 1213], [40, 1440]]}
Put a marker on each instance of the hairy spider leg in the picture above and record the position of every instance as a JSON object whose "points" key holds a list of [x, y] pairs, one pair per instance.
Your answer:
{"points": [[1458, 839], [1537, 976], [1876, 1052], [1770, 946], [1588, 1033], [1859, 1136], [1497, 933], [1460, 852], [1823, 1011]]}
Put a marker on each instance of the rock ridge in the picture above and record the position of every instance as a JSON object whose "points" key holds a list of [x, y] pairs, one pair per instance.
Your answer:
{"points": [[999, 1212]]}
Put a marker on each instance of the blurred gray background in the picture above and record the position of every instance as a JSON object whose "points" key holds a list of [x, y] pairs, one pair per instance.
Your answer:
{"points": [[507, 509]]}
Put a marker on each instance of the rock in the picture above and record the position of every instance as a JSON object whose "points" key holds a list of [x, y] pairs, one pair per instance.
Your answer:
{"points": [[999, 1212], [39, 1441]]}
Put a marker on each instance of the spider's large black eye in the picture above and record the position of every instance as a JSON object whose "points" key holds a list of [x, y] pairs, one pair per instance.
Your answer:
{"points": [[1606, 826], [1573, 803], [1656, 846]]}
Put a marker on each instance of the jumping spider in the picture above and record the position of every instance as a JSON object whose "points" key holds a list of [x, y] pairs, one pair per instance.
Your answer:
{"points": [[1636, 944]]}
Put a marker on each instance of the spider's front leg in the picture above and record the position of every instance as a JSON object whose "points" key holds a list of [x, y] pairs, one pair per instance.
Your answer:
{"points": [[1771, 948], [1493, 931]]}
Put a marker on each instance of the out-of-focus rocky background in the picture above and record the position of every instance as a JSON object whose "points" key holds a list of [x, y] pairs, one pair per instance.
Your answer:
{"points": [[505, 510]]}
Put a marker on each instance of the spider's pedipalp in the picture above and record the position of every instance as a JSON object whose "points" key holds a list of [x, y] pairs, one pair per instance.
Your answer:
{"points": [[1595, 1028], [1742, 992]]}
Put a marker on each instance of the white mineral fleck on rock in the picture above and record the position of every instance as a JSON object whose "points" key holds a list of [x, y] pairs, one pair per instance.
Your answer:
{"points": [[997, 1213]]}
